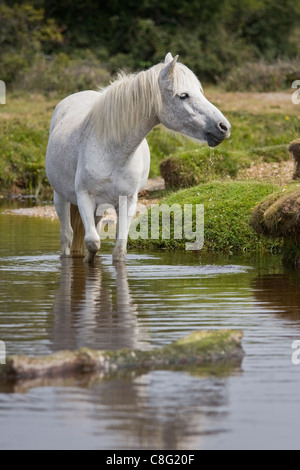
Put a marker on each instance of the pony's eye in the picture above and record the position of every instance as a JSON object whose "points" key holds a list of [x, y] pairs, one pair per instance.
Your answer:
{"points": [[184, 96]]}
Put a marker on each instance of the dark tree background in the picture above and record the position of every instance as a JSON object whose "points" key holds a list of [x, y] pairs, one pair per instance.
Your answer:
{"points": [[211, 36]]}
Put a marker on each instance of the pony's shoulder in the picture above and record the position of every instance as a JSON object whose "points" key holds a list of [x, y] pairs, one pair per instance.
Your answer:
{"points": [[77, 104], [80, 97]]}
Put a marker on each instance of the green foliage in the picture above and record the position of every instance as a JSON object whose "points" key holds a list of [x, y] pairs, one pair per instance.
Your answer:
{"points": [[210, 36], [24, 34], [22, 155], [262, 76], [63, 75], [213, 38]]}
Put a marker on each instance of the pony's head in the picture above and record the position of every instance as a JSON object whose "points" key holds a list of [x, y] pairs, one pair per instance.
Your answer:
{"points": [[185, 109]]}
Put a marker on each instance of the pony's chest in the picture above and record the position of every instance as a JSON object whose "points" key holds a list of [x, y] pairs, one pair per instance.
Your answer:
{"points": [[110, 180]]}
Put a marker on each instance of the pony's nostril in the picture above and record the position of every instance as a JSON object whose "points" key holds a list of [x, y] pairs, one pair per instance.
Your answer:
{"points": [[223, 127]]}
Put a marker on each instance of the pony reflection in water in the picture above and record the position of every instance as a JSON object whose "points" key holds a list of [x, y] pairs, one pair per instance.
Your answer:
{"points": [[94, 307], [97, 149]]}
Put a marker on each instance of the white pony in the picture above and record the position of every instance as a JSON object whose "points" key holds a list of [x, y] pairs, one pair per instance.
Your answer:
{"points": [[97, 149]]}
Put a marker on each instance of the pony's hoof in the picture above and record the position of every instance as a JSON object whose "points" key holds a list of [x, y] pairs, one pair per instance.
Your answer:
{"points": [[93, 246]]}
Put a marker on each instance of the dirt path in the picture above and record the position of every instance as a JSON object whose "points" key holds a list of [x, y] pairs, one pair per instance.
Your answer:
{"points": [[254, 102], [279, 173]]}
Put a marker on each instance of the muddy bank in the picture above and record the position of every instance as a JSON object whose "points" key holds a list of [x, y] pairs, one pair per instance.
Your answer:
{"points": [[49, 212]]}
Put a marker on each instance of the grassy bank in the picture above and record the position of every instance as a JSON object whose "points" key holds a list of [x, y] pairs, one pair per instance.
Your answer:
{"points": [[228, 208]]}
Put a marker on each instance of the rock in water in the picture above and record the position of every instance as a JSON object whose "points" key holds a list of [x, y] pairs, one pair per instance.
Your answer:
{"points": [[201, 348]]}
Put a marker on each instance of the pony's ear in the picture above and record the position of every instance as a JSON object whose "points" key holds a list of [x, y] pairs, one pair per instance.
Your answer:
{"points": [[168, 58], [168, 70]]}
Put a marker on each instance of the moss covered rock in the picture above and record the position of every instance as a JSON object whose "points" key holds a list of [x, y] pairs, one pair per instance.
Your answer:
{"points": [[186, 169], [278, 216], [201, 348]]}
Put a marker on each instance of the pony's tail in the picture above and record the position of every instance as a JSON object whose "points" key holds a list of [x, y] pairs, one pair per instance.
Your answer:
{"points": [[78, 245]]}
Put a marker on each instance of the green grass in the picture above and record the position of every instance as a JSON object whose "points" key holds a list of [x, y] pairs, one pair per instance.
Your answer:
{"points": [[228, 208], [252, 131], [22, 154]]}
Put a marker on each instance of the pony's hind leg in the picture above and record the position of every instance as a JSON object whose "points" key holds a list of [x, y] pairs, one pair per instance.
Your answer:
{"points": [[87, 209], [66, 232]]}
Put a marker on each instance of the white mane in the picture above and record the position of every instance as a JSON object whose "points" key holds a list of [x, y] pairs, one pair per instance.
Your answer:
{"points": [[131, 99]]}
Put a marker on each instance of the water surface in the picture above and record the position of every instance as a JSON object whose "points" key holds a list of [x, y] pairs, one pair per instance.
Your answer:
{"points": [[48, 304]]}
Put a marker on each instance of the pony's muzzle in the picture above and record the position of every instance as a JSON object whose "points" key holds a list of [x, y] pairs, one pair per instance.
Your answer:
{"points": [[217, 131], [225, 129]]}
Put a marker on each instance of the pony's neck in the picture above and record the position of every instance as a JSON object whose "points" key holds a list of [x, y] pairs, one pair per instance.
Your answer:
{"points": [[132, 141], [127, 110]]}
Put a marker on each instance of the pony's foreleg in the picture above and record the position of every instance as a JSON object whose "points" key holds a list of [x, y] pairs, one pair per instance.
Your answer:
{"points": [[66, 232], [126, 212], [87, 208]]}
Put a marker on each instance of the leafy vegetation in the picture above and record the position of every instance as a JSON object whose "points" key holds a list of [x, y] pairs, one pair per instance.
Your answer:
{"points": [[46, 37]]}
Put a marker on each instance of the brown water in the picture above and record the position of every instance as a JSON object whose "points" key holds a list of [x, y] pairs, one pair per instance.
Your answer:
{"points": [[48, 304]]}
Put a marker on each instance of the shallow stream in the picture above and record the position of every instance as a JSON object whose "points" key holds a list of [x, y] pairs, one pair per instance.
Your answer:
{"points": [[48, 304]]}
